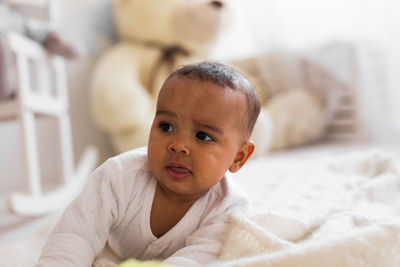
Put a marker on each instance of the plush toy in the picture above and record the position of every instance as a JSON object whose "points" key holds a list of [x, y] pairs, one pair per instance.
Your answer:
{"points": [[156, 36], [298, 97], [35, 29]]}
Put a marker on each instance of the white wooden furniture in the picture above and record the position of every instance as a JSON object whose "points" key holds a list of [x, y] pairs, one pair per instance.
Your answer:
{"points": [[42, 90]]}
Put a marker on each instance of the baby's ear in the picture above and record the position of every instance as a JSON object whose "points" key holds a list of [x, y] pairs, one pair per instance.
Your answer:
{"points": [[242, 155]]}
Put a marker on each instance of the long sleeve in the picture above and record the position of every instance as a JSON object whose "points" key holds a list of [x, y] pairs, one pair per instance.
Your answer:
{"points": [[84, 227]]}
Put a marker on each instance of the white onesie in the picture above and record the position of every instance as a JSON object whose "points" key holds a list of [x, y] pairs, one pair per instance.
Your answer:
{"points": [[115, 207]]}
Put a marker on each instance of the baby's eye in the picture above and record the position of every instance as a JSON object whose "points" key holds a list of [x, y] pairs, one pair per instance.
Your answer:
{"points": [[166, 127], [204, 137]]}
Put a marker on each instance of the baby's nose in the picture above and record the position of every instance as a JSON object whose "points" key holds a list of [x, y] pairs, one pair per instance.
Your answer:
{"points": [[178, 146]]}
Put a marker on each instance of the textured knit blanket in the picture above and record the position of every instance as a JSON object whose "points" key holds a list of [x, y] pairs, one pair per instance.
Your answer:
{"points": [[336, 211]]}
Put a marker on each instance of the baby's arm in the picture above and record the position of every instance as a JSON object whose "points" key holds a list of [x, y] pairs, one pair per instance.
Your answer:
{"points": [[84, 227]]}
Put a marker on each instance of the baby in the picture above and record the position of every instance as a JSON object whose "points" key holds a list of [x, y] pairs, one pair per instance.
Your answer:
{"points": [[172, 200]]}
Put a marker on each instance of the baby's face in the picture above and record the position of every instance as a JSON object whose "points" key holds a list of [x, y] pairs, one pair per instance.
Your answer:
{"points": [[195, 136]]}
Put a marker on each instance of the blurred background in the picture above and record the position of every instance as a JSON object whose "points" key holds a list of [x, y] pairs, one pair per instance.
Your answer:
{"points": [[356, 40]]}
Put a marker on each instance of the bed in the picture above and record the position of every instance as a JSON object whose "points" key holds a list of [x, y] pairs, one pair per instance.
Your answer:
{"points": [[322, 205]]}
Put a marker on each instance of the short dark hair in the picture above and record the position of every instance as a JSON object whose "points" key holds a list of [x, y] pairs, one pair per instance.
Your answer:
{"points": [[225, 76]]}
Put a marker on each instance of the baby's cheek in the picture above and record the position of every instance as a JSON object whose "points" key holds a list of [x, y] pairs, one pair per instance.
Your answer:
{"points": [[216, 164], [152, 155], [155, 143]]}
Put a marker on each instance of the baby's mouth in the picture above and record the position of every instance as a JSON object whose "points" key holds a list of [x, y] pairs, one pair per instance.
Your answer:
{"points": [[178, 171]]}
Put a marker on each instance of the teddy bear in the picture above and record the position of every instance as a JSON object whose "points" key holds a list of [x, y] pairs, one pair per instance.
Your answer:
{"points": [[156, 36], [298, 95]]}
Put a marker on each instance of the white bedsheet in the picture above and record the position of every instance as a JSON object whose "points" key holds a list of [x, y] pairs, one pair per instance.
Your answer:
{"points": [[319, 208]]}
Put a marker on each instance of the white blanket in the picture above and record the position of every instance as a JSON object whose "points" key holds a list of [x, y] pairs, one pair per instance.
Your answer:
{"points": [[323, 211]]}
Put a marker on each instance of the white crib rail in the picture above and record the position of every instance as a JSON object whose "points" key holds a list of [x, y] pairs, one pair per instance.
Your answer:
{"points": [[34, 66]]}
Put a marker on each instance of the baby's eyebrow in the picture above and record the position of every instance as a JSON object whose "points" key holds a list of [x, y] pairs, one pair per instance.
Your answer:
{"points": [[210, 127], [166, 113]]}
